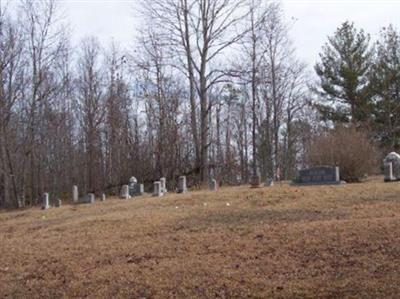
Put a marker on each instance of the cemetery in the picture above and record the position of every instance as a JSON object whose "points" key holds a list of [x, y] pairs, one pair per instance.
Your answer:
{"points": [[299, 240], [199, 149], [310, 237]]}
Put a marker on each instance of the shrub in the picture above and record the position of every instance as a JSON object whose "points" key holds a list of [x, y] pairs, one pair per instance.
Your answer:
{"points": [[348, 148]]}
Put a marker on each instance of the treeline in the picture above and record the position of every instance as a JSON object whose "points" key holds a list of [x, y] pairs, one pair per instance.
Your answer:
{"points": [[213, 88]]}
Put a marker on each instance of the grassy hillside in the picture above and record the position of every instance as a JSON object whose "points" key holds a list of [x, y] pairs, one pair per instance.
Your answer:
{"points": [[295, 242]]}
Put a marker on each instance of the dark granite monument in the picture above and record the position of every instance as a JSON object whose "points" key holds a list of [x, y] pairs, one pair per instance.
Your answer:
{"points": [[323, 175], [135, 189]]}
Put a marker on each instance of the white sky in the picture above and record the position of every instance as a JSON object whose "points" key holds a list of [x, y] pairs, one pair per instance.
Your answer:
{"points": [[315, 20]]}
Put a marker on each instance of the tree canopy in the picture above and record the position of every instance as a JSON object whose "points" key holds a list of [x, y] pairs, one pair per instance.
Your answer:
{"points": [[343, 72]]}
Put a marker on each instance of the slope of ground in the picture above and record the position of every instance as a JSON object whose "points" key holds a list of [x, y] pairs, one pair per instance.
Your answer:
{"points": [[283, 242]]}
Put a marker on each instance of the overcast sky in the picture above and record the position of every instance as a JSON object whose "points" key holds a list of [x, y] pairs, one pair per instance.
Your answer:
{"points": [[315, 20]]}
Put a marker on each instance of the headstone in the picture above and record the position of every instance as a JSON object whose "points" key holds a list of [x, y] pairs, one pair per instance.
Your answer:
{"points": [[46, 203], [324, 175], [182, 188], [135, 189], [103, 197], [58, 203], [125, 192], [213, 185], [21, 201], [394, 160], [255, 181], [157, 189], [269, 183], [75, 194], [388, 168], [91, 198], [163, 182], [141, 189], [132, 186]]}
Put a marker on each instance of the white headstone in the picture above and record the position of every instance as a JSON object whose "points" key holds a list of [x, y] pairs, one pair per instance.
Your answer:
{"points": [[163, 182], [91, 198], [389, 177], [46, 203], [337, 174], [125, 192], [157, 189], [103, 197], [75, 194], [213, 185], [182, 188], [394, 158], [141, 189]]}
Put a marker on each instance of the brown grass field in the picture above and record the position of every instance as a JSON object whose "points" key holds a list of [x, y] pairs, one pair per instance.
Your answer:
{"points": [[280, 242]]}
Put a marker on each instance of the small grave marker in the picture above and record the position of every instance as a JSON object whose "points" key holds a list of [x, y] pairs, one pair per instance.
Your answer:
{"points": [[46, 203], [389, 177], [214, 185], [163, 182], [141, 189], [58, 203], [90, 198], [182, 188], [75, 194], [392, 167], [125, 192], [157, 189]]}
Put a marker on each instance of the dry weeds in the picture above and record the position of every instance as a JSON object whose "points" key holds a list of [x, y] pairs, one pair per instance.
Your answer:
{"points": [[283, 242]]}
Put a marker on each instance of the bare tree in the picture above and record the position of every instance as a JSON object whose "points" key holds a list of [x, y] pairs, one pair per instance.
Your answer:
{"points": [[42, 48], [203, 29], [174, 106], [252, 48], [92, 107], [12, 81]]}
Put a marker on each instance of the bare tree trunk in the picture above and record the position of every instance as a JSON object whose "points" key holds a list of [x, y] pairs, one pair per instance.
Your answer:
{"points": [[254, 92], [192, 85], [203, 128]]}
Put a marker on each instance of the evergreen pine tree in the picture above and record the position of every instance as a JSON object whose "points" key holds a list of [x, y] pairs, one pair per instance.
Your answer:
{"points": [[343, 71]]}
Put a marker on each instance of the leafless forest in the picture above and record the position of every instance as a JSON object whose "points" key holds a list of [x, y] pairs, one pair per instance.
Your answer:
{"points": [[212, 88]]}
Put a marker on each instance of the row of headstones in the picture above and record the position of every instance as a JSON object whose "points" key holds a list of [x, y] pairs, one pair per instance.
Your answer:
{"points": [[128, 191], [160, 186], [89, 198]]}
